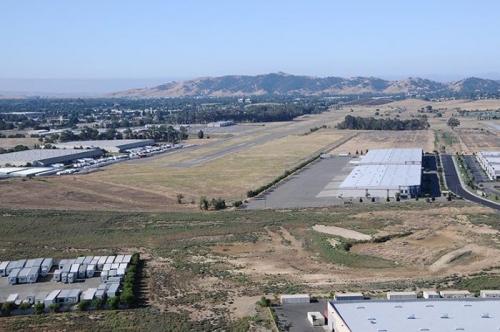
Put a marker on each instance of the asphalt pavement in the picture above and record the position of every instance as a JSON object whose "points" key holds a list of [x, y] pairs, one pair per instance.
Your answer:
{"points": [[454, 185]]}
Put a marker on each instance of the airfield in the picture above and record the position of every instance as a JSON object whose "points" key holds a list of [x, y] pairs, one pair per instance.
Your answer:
{"points": [[218, 263]]}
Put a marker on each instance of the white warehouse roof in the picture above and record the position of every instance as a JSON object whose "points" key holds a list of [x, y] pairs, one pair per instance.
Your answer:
{"points": [[420, 315], [392, 157], [45, 156], [109, 145], [383, 176]]}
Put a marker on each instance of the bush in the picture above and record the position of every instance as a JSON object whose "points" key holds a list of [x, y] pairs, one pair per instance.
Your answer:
{"points": [[25, 306], [237, 203], [251, 194], [127, 296], [97, 303], [39, 308], [218, 204], [84, 305], [7, 307], [203, 203], [54, 307], [113, 302], [264, 302]]}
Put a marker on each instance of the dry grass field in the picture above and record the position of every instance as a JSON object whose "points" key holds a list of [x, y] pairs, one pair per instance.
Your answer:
{"points": [[204, 271]]}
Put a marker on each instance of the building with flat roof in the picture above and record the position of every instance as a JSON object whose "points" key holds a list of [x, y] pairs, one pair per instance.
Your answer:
{"points": [[437, 315], [392, 157], [490, 162], [108, 145], [382, 181], [46, 157], [385, 173]]}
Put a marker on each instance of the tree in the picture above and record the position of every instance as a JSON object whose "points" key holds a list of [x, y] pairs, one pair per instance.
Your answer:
{"points": [[83, 305], [200, 134], [453, 122], [179, 198], [203, 203], [113, 302]]}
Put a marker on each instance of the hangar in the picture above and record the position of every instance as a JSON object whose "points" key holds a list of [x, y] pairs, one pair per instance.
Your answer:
{"points": [[46, 157], [108, 145], [385, 173], [414, 315]]}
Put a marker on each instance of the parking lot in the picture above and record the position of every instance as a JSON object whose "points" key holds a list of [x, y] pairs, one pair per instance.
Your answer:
{"points": [[296, 315], [44, 285], [314, 186]]}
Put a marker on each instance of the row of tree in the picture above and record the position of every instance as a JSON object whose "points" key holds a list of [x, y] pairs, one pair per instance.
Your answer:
{"points": [[370, 123]]}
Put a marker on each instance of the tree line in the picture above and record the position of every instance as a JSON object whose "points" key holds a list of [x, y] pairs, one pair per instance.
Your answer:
{"points": [[370, 123]]}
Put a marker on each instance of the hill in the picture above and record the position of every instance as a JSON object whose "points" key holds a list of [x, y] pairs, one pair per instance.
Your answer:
{"points": [[282, 84]]}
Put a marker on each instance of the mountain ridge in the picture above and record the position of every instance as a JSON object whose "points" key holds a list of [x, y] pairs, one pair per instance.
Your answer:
{"points": [[283, 84]]}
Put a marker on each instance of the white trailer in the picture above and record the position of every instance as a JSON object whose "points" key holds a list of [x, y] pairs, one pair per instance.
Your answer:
{"points": [[64, 277], [316, 318], [113, 290], [32, 275], [57, 275], [100, 294], [15, 265], [29, 263], [12, 298], [51, 298], [430, 294], [62, 263], [127, 259], [115, 266], [71, 278], [22, 277], [62, 297], [12, 279], [90, 270], [89, 294], [46, 266], [82, 271], [79, 260], [101, 262], [106, 267], [104, 276], [88, 260], [74, 295], [3, 268], [39, 297], [119, 259], [120, 273], [110, 259], [95, 260], [123, 266], [74, 270], [295, 299]]}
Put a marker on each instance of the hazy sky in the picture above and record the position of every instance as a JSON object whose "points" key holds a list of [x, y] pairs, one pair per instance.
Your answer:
{"points": [[105, 39]]}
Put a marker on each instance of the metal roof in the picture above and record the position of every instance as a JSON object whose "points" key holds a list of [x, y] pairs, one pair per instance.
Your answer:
{"points": [[392, 157], [103, 144], [23, 157], [421, 315], [383, 176]]}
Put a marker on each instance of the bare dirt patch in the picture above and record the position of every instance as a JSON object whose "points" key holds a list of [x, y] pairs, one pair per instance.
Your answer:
{"points": [[346, 233]]}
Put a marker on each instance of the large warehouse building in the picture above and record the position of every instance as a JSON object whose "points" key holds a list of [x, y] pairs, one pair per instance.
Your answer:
{"points": [[439, 315], [46, 157], [108, 145], [490, 162], [385, 173]]}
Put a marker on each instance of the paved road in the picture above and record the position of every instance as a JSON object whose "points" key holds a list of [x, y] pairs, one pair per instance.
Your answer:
{"points": [[453, 181]]}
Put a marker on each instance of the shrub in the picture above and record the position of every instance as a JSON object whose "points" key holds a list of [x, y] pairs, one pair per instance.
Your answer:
{"points": [[54, 307], [7, 307], [127, 296], [97, 303], [237, 203], [113, 302], [25, 306], [39, 308], [84, 305], [264, 302]]}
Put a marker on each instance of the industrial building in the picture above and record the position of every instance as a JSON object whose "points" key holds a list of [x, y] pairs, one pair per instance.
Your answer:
{"points": [[295, 299], [385, 173], [414, 315], [392, 157], [108, 145], [348, 296], [490, 162], [46, 157]]}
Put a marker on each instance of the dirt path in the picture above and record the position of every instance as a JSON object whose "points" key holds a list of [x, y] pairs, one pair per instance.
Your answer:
{"points": [[448, 258], [347, 233]]}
